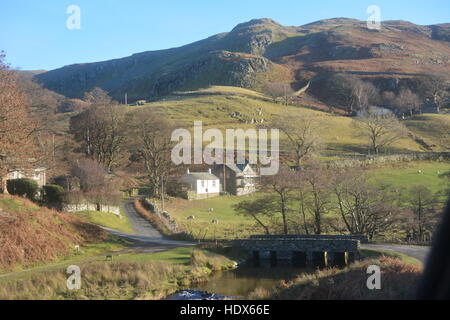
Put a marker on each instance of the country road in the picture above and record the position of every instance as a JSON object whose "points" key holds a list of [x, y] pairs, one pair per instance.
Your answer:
{"points": [[145, 233], [418, 252]]}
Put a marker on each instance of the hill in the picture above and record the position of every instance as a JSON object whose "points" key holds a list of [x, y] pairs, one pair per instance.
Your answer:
{"points": [[31, 234], [261, 50], [229, 107]]}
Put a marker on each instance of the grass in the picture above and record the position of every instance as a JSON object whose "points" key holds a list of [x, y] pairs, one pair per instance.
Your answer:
{"points": [[230, 224], [407, 174], [398, 282], [427, 127], [214, 105], [87, 253], [377, 254], [180, 256], [147, 276], [108, 220]]}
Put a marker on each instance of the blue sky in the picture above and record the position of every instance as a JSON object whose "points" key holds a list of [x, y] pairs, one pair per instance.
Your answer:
{"points": [[34, 33]]}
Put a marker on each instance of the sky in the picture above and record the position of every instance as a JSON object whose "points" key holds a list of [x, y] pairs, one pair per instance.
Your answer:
{"points": [[34, 34]]}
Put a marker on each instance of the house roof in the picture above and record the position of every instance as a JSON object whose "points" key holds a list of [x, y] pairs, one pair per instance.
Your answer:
{"points": [[241, 168], [194, 176]]}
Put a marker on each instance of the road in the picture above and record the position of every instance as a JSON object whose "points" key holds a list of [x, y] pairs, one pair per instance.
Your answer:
{"points": [[418, 252], [145, 234]]}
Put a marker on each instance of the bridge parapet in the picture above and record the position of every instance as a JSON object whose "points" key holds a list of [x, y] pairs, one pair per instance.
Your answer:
{"points": [[361, 238], [303, 245]]}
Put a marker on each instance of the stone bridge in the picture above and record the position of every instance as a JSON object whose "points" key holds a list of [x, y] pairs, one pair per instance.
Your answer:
{"points": [[312, 251]]}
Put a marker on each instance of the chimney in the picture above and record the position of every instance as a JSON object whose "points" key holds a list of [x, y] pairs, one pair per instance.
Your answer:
{"points": [[188, 172], [209, 170]]}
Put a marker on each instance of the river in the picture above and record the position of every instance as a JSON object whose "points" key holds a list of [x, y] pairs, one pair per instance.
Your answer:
{"points": [[246, 278]]}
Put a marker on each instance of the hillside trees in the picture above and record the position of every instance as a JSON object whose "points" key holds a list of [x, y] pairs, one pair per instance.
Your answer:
{"points": [[277, 90], [437, 87], [16, 128], [100, 130], [407, 101], [351, 92], [152, 145]]}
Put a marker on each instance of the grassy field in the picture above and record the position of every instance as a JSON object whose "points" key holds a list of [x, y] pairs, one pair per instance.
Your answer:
{"points": [[108, 220], [425, 173], [214, 105], [428, 126], [230, 224]]}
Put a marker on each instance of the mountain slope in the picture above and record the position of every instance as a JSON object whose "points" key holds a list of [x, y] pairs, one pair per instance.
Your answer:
{"points": [[261, 50]]}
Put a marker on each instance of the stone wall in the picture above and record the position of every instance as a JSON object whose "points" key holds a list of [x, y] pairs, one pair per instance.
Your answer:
{"points": [[165, 217], [91, 207]]}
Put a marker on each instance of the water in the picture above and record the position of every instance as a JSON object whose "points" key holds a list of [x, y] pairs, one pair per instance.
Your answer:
{"points": [[245, 279]]}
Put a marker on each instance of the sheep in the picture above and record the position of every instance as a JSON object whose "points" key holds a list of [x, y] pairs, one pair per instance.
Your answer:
{"points": [[191, 218], [215, 221]]}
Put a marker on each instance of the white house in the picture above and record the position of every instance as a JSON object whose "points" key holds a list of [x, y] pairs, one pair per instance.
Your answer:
{"points": [[36, 174], [200, 185]]}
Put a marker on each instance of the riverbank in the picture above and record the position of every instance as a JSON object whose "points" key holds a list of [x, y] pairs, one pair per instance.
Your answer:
{"points": [[399, 277], [129, 276]]}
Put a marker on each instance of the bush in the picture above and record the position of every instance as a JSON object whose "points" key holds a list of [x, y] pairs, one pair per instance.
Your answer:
{"points": [[22, 187], [53, 194]]}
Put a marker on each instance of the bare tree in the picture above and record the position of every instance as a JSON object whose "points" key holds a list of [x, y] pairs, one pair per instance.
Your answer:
{"points": [[423, 205], [388, 97], [98, 97], [380, 128], [437, 87], [318, 196], [101, 132], [16, 128], [282, 185], [278, 90], [364, 209], [407, 101], [152, 144], [302, 132], [96, 183], [261, 210]]}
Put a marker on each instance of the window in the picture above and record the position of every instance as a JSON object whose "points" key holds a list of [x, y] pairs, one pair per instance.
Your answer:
{"points": [[214, 183], [202, 183]]}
